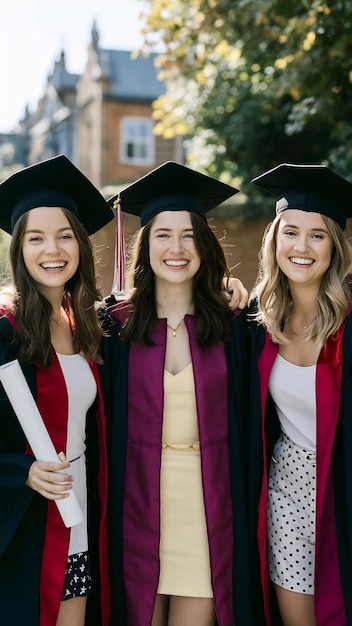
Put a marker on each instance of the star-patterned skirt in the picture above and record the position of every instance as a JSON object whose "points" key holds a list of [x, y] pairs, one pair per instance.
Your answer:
{"points": [[78, 580]]}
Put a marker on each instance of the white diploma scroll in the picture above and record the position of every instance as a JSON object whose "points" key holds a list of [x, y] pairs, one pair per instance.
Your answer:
{"points": [[18, 392]]}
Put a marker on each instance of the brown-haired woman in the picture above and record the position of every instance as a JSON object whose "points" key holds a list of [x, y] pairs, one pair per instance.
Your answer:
{"points": [[49, 323], [175, 375]]}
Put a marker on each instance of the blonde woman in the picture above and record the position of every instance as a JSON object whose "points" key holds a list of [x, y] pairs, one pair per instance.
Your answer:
{"points": [[301, 407]]}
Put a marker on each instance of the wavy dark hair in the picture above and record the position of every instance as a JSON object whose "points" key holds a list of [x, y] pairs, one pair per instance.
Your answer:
{"points": [[33, 311], [211, 310]]}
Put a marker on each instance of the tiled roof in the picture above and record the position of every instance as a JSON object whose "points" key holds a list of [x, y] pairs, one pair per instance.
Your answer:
{"points": [[61, 78], [130, 77]]}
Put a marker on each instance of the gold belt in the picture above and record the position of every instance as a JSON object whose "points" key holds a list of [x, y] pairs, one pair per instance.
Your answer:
{"points": [[178, 445]]}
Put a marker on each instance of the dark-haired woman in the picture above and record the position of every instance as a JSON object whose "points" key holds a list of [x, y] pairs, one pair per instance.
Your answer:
{"points": [[178, 543], [49, 322]]}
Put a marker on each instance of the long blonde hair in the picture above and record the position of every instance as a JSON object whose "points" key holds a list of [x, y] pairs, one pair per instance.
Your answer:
{"points": [[273, 295]]}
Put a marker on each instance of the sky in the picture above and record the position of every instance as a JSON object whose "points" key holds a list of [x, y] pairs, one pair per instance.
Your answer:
{"points": [[34, 32]]}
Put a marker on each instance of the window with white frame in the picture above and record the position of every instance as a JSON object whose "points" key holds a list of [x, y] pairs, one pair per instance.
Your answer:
{"points": [[137, 145]]}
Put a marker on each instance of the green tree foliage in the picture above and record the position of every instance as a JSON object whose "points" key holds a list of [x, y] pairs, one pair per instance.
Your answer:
{"points": [[252, 83]]}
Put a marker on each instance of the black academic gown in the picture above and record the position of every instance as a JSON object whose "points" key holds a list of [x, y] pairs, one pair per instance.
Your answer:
{"points": [[333, 598], [33, 539], [128, 471]]}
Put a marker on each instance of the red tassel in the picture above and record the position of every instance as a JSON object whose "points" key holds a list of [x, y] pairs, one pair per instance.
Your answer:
{"points": [[118, 286]]}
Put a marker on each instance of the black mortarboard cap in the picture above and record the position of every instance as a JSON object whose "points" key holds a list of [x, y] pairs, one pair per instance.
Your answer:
{"points": [[172, 187], [311, 188], [54, 182]]}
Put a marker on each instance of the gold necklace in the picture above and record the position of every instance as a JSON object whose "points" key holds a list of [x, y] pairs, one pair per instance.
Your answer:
{"points": [[294, 332], [301, 332], [57, 320], [174, 330]]}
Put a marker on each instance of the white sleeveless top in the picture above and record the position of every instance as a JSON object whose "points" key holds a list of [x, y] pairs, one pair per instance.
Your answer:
{"points": [[292, 388], [81, 392]]}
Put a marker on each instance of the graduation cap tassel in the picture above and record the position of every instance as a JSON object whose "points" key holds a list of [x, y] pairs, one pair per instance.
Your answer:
{"points": [[118, 286]]}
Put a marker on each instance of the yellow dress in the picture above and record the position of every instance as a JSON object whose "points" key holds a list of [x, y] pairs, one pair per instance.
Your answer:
{"points": [[184, 549]]}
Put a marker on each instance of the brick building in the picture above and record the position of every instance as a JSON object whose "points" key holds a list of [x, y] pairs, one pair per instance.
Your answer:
{"points": [[102, 121]]}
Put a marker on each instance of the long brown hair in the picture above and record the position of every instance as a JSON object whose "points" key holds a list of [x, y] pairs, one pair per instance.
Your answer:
{"points": [[211, 310], [33, 310]]}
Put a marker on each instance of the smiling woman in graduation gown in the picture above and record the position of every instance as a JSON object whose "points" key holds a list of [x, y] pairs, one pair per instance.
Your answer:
{"points": [[305, 265], [133, 385], [50, 208]]}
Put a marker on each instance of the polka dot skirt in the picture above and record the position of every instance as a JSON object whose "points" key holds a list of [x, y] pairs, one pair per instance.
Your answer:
{"points": [[291, 516], [78, 580]]}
